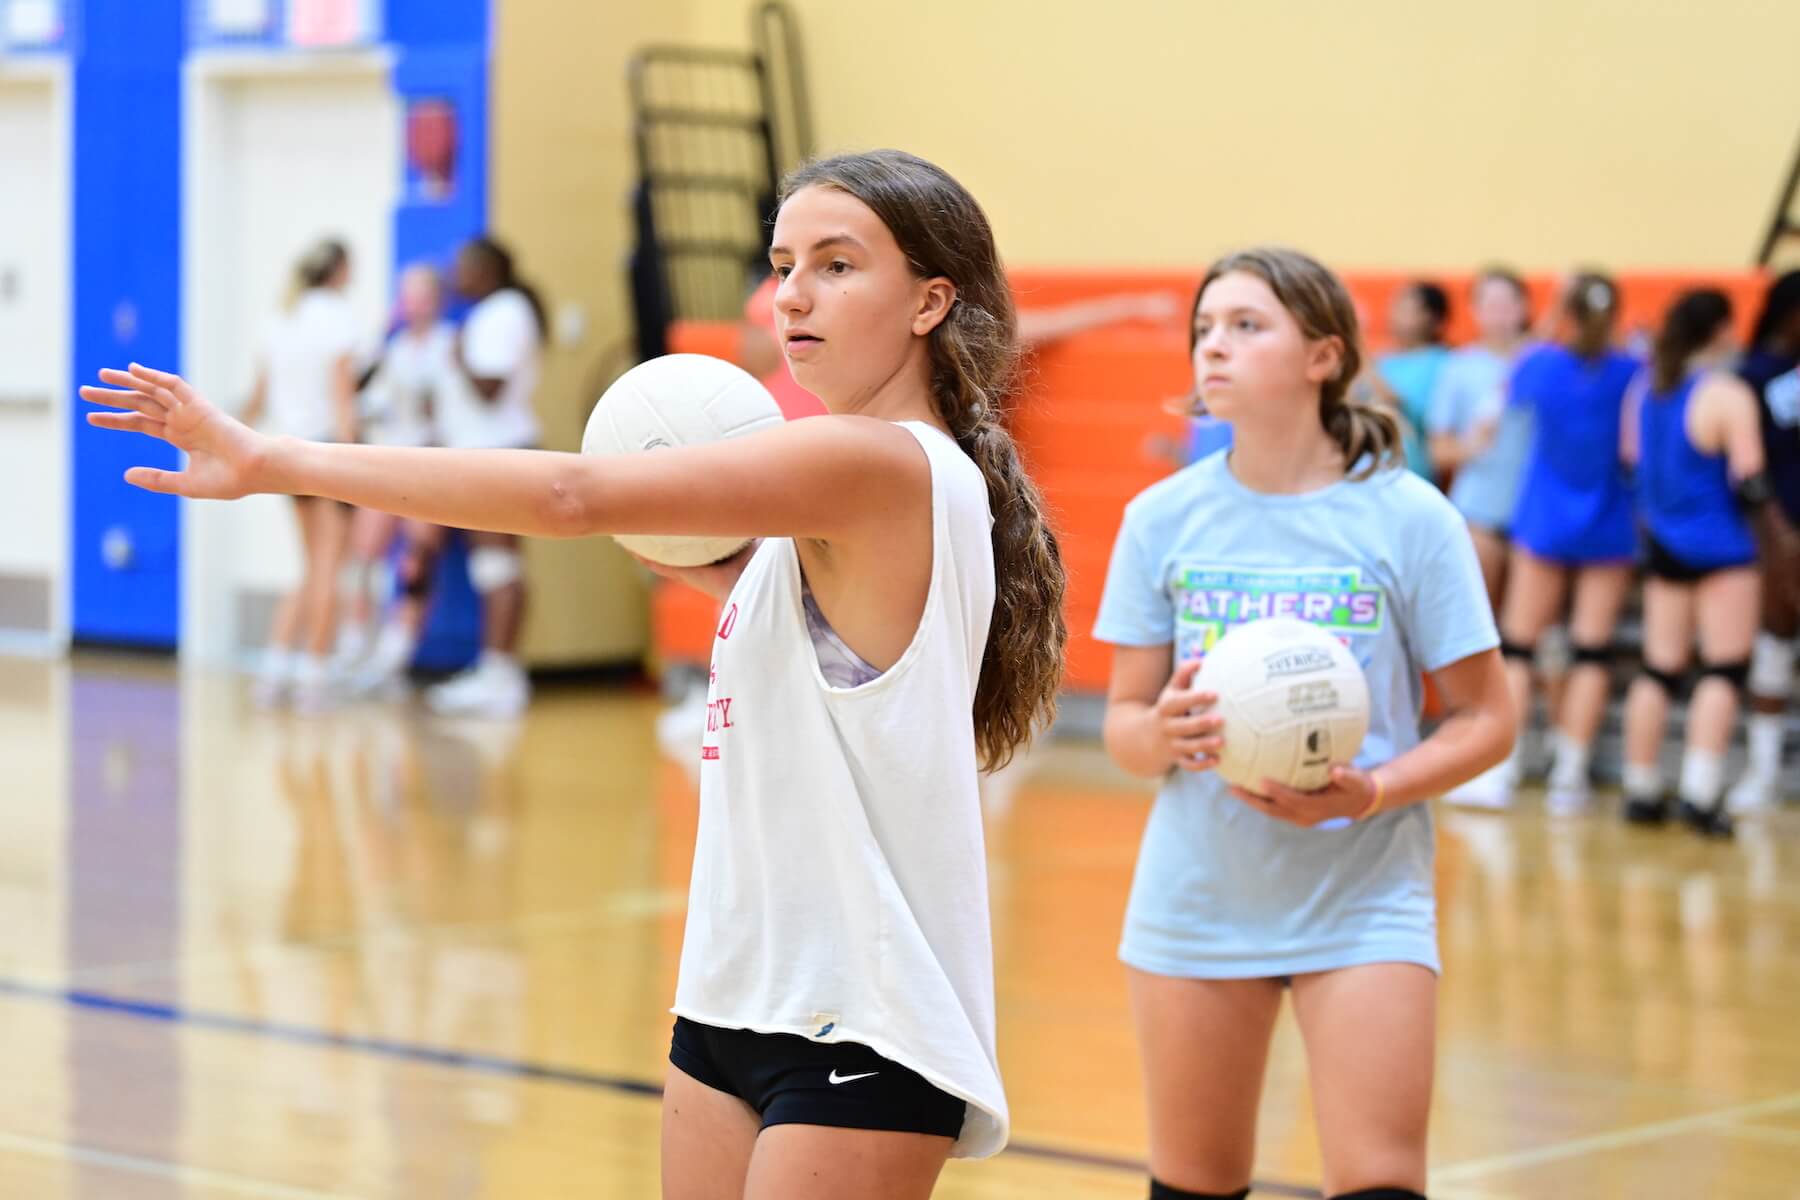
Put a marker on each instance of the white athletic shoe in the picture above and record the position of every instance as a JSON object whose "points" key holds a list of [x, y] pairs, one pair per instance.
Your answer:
{"points": [[451, 690], [269, 691], [371, 682], [1567, 792], [312, 691], [1754, 793], [274, 679], [382, 675], [494, 687], [1492, 789]]}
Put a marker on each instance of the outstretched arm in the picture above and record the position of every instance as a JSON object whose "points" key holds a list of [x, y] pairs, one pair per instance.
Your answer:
{"points": [[1039, 327], [821, 479]]}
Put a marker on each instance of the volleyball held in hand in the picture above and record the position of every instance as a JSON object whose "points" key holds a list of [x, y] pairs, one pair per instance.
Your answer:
{"points": [[1294, 703], [678, 400]]}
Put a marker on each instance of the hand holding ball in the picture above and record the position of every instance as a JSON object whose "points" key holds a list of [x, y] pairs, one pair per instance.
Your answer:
{"points": [[1293, 700]]}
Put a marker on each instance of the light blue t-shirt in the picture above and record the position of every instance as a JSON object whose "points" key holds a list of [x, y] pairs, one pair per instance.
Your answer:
{"points": [[1470, 390], [1413, 374], [1221, 890]]}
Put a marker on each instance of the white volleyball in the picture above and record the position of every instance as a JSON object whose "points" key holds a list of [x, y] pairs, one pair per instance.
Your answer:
{"points": [[678, 400], [1293, 699]]}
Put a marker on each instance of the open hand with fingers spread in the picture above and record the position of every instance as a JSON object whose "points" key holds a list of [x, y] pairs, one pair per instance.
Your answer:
{"points": [[225, 458]]}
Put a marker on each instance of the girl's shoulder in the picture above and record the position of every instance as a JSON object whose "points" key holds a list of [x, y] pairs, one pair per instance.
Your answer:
{"points": [[1409, 505], [1539, 355], [1190, 482]]}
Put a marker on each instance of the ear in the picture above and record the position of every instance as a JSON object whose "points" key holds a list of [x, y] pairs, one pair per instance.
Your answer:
{"points": [[1324, 359], [936, 296]]}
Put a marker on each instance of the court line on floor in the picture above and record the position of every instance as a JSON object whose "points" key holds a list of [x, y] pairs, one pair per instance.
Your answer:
{"points": [[160, 1169], [1616, 1140], [1763, 1133], [488, 1064], [630, 906]]}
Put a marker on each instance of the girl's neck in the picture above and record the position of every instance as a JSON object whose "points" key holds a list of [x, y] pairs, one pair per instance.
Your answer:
{"points": [[1285, 459], [1707, 360], [903, 396]]}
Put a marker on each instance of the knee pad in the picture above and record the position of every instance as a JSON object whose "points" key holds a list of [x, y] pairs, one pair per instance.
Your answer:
{"points": [[1736, 673], [1162, 1191], [1772, 666], [1591, 656], [1381, 1193], [1553, 651], [1514, 652], [494, 567], [1672, 683]]}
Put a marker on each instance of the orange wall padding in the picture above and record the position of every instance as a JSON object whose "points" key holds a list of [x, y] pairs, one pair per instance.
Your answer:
{"points": [[1090, 402]]}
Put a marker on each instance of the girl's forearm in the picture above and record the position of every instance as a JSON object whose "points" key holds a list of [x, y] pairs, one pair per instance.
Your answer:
{"points": [[528, 492], [1129, 734], [1465, 745]]}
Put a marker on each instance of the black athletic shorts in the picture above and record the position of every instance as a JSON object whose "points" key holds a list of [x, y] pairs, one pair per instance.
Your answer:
{"points": [[791, 1080], [1660, 563]]}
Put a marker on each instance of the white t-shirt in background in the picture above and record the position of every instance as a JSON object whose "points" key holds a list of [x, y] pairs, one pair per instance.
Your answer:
{"points": [[500, 340], [409, 388], [301, 353]]}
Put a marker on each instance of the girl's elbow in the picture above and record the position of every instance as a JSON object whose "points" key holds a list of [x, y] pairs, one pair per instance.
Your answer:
{"points": [[1505, 721], [567, 510]]}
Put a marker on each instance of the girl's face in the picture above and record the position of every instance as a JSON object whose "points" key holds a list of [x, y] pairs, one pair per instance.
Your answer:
{"points": [[1252, 361], [850, 313], [1499, 309], [473, 278], [420, 300], [1409, 321]]}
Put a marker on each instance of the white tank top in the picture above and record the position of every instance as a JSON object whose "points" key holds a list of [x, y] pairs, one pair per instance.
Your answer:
{"points": [[840, 874]]}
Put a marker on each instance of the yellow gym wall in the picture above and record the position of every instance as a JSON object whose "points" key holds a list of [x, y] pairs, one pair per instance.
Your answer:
{"points": [[1628, 133], [1384, 133], [561, 168]]}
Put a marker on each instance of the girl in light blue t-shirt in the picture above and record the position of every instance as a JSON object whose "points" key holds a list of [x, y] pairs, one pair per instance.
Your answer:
{"points": [[1476, 437], [1239, 895]]}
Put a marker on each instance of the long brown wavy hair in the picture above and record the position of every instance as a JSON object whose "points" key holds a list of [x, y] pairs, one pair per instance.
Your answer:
{"points": [[1689, 326], [974, 366], [1320, 304]]}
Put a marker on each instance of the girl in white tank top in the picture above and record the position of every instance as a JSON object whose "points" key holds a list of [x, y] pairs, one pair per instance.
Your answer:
{"points": [[896, 630]]}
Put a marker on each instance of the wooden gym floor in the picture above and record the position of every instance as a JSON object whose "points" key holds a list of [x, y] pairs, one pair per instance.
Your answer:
{"points": [[374, 954]]}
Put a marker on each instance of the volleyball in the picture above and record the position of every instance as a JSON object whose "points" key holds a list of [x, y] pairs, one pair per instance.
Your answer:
{"points": [[1294, 703], [678, 400]]}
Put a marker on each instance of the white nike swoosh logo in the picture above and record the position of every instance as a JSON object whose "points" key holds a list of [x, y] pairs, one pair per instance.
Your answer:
{"points": [[834, 1077]]}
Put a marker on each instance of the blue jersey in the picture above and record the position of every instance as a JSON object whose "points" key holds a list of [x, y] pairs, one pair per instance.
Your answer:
{"points": [[1223, 891], [1775, 378], [1684, 495], [1575, 505]]}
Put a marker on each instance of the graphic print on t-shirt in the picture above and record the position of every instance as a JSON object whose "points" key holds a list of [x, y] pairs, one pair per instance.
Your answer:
{"points": [[1210, 600], [718, 708]]}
